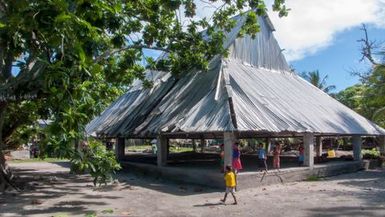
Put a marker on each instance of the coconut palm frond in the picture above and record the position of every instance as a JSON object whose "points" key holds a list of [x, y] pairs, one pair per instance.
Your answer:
{"points": [[315, 79], [379, 113]]}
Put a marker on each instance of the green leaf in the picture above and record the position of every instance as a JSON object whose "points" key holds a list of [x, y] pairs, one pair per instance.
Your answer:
{"points": [[62, 18]]}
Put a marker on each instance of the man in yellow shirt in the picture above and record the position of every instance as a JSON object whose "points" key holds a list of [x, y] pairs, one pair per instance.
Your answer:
{"points": [[230, 183]]}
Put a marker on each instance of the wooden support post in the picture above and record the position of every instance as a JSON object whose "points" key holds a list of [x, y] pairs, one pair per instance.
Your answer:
{"points": [[119, 148], [228, 140], [308, 143], [167, 148], [381, 143], [203, 144], [162, 146], [357, 142], [194, 145], [318, 146], [108, 145]]}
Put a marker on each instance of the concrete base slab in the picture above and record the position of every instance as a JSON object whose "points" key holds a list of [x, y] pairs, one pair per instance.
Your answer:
{"points": [[254, 179], [213, 178]]}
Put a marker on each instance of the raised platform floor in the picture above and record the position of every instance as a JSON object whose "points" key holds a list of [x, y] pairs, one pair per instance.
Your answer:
{"points": [[204, 169]]}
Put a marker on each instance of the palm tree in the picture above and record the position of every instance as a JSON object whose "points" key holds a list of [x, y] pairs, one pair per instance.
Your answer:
{"points": [[315, 79]]}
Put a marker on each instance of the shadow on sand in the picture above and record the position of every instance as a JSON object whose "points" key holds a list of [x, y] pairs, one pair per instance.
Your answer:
{"points": [[371, 185]]}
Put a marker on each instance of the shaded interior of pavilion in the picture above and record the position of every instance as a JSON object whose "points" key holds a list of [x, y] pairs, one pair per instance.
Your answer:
{"points": [[192, 152]]}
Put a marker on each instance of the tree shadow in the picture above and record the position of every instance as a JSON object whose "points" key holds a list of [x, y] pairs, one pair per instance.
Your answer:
{"points": [[161, 184], [349, 211], [64, 164], [41, 189], [370, 193], [210, 204]]}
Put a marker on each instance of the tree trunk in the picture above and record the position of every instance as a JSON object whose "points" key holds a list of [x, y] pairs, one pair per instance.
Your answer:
{"points": [[5, 172]]}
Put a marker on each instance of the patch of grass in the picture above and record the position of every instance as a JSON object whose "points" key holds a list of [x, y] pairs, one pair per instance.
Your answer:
{"points": [[173, 148], [180, 149], [108, 211], [138, 148], [313, 178], [32, 160], [90, 214]]}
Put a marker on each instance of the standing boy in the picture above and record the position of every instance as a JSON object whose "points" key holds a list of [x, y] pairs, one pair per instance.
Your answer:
{"points": [[262, 157], [301, 155], [230, 183]]}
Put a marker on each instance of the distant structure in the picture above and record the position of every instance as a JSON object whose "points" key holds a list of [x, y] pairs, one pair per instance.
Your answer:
{"points": [[250, 94]]}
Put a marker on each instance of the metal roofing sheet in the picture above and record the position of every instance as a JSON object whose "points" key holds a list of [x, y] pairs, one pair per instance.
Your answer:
{"points": [[190, 106], [261, 51], [278, 101], [131, 108]]}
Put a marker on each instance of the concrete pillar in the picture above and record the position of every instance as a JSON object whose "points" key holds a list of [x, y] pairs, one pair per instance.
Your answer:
{"points": [[357, 142], [268, 145], [162, 146], [228, 140], [381, 143], [308, 143], [194, 145], [203, 144], [119, 148], [318, 146]]}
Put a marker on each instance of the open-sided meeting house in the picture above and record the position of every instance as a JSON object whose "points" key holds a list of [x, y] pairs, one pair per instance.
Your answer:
{"points": [[251, 93]]}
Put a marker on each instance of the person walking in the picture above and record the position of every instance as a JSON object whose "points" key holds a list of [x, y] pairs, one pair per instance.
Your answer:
{"points": [[230, 184]]}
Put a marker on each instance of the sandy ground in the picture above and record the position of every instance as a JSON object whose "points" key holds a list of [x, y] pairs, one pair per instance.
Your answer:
{"points": [[53, 192]]}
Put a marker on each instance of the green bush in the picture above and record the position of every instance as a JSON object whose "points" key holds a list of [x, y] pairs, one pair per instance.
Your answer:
{"points": [[97, 160], [370, 153], [313, 178]]}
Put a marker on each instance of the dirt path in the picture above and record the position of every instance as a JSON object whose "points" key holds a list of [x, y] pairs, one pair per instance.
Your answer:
{"points": [[53, 192]]}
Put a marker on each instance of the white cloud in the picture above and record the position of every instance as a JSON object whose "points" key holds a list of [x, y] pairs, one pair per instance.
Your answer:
{"points": [[312, 24]]}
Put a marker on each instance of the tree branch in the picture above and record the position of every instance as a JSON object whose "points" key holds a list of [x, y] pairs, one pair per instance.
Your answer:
{"points": [[367, 47], [114, 51], [7, 69]]}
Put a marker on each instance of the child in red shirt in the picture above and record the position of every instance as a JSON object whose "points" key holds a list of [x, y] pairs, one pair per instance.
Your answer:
{"points": [[276, 156]]}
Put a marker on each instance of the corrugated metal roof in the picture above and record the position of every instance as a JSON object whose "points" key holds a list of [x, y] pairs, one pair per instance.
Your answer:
{"points": [[278, 101], [131, 108], [191, 106], [261, 51], [265, 95]]}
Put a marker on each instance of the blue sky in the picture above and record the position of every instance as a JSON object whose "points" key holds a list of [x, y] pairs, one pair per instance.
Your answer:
{"points": [[319, 34], [340, 58]]}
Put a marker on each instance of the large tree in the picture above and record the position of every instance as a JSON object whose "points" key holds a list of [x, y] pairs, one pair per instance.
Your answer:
{"points": [[374, 79], [66, 59], [368, 97], [353, 97]]}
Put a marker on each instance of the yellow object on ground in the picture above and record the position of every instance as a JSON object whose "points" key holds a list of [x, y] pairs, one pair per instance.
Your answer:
{"points": [[331, 153]]}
